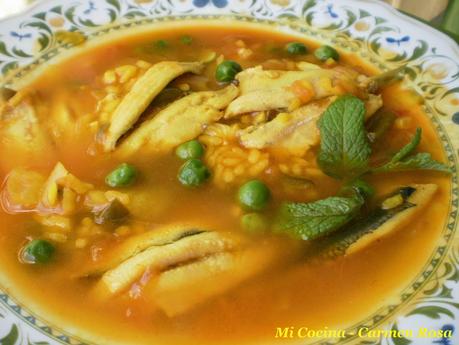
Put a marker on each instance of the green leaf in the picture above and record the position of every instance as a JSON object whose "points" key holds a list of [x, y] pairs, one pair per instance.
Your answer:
{"points": [[4, 50], [115, 4], [39, 25], [309, 17], [11, 338], [308, 5], [20, 53], [9, 67], [404, 159], [344, 148], [308, 221], [432, 311], [399, 340], [419, 51], [57, 9], [364, 14], [134, 14], [351, 18], [43, 40], [88, 22], [112, 15], [409, 148], [455, 276], [41, 15], [445, 292], [419, 161]]}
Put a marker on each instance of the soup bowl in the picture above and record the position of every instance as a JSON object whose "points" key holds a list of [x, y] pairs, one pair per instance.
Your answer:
{"points": [[423, 308]]}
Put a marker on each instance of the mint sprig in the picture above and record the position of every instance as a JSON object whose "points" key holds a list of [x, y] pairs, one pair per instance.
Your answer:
{"points": [[344, 149], [344, 154], [405, 160]]}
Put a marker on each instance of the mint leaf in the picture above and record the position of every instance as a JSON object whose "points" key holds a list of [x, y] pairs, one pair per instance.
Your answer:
{"points": [[405, 160], [308, 221], [344, 149], [409, 148], [423, 161]]}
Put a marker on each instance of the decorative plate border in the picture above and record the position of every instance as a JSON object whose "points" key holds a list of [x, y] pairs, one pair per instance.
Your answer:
{"points": [[27, 41]]}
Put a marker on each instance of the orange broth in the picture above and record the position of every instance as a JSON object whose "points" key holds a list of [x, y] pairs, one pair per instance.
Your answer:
{"points": [[327, 294]]}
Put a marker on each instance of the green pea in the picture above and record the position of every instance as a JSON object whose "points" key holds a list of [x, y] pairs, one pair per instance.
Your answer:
{"points": [[124, 175], [227, 70], [254, 195], [254, 223], [325, 52], [296, 48], [190, 149], [38, 251], [193, 173]]}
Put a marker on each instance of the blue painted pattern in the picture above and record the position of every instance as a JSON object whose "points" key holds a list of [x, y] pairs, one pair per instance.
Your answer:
{"points": [[19, 36], [398, 41], [216, 3], [91, 8], [331, 12], [445, 340]]}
